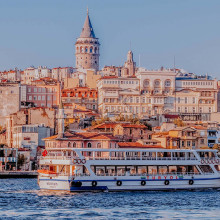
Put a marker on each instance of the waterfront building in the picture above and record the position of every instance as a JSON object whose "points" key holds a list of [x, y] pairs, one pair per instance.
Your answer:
{"points": [[61, 73], [11, 75], [82, 140], [82, 96], [30, 136], [156, 92], [41, 94], [10, 96], [37, 116]]}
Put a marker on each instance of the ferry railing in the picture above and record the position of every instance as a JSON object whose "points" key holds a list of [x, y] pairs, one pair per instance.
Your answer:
{"points": [[58, 157], [141, 158], [156, 174]]}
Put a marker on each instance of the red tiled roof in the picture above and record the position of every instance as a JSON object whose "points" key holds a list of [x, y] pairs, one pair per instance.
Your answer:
{"points": [[171, 116], [109, 77], [136, 145], [133, 126], [84, 136]]}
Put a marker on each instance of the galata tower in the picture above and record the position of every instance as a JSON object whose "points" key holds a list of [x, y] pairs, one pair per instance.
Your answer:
{"points": [[87, 47]]}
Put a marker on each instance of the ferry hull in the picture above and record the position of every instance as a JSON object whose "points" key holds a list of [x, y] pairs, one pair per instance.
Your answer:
{"points": [[129, 185]]}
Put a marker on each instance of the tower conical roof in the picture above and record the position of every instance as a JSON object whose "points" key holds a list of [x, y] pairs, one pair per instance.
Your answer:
{"points": [[87, 30]]}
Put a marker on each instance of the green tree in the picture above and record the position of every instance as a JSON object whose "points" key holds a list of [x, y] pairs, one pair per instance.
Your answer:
{"points": [[21, 160]]}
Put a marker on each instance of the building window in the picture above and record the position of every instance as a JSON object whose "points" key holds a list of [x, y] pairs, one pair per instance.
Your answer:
{"points": [[167, 83], [194, 100], [39, 97], [30, 97], [74, 144], [157, 82], [185, 100], [89, 145], [146, 83], [43, 97]]}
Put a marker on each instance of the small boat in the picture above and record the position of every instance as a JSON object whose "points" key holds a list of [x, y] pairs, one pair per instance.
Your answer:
{"points": [[87, 169]]}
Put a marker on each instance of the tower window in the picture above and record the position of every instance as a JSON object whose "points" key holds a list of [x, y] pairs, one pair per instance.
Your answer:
{"points": [[86, 50], [90, 50]]}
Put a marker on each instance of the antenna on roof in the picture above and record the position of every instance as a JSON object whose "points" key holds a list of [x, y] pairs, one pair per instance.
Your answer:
{"points": [[139, 60], [87, 10], [130, 45]]}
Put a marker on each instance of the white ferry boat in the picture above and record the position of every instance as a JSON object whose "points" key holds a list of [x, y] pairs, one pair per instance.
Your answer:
{"points": [[81, 169]]}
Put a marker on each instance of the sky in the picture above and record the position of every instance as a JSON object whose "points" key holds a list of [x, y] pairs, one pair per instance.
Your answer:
{"points": [[43, 32]]}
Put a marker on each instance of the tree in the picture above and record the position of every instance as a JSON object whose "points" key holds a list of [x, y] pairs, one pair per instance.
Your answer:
{"points": [[178, 122], [21, 160]]}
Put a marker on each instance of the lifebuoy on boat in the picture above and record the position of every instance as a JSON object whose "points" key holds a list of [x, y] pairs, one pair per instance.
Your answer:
{"points": [[94, 183], [83, 161], [191, 182], [202, 161], [143, 182], [119, 183], [166, 182]]}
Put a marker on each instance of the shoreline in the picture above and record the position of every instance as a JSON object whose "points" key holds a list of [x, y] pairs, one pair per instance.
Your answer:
{"points": [[18, 174]]}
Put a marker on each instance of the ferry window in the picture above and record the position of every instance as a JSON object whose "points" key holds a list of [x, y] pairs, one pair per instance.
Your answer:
{"points": [[100, 170], [172, 169], [131, 169], [152, 170], [181, 169], [120, 170], [89, 145], [162, 169], [110, 170], [217, 167], [206, 169], [142, 170]]}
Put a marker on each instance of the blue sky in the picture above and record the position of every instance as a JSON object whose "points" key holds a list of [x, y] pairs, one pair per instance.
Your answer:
{"points": [[43, 32]]}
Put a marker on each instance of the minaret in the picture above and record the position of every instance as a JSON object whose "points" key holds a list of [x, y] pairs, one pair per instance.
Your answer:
{"points": [[60, 118], [87, 47]]}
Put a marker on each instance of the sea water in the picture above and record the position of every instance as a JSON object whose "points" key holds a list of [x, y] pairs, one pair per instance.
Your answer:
{"points": [[22, 199]]}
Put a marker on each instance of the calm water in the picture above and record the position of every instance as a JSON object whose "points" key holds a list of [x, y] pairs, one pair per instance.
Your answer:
{"points": [[21, 199]]}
